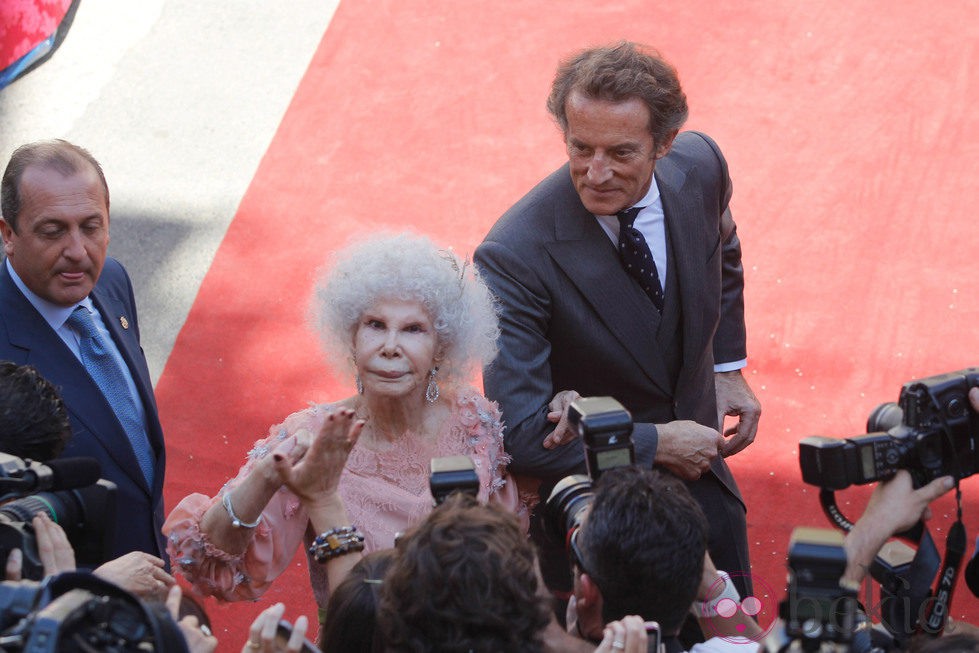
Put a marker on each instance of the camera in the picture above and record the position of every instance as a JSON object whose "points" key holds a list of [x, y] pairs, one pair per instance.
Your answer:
{"points": [[450, 474], [605, 427], [819, 607], [86, 514], [76, 612], [931, 431]]}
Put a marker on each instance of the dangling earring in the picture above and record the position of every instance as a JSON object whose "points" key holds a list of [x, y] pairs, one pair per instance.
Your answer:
{"points": [[360, 386], [432, 391]]}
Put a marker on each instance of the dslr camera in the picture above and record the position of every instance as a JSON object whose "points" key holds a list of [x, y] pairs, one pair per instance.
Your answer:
{"points": [[931, 431], [605, 428], [86, 514]]}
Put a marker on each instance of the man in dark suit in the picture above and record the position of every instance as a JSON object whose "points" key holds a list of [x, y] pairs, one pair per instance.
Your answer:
{"points": [[55, 207], [669, 346]]}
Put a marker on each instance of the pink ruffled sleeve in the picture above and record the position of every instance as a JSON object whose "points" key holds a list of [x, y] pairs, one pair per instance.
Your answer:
{"points": [[214, 572], [481, 418]]}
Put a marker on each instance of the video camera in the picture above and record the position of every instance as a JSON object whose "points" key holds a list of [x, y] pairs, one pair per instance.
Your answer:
{"points": [[81, 503], [605, 428], [931, 432], [78, 612]]}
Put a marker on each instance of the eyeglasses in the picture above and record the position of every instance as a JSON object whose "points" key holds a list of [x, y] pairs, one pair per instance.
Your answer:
{"points": [[577, 559]]}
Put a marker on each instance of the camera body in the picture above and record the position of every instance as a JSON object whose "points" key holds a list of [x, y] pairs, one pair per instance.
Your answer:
{"points": [[452, 474], [605, 428], [818, 607], [931, 431]]}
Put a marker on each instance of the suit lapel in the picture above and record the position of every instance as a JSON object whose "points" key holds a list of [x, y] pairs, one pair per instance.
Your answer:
{"points": [[680, 206], [46, 351], [586, 255]]}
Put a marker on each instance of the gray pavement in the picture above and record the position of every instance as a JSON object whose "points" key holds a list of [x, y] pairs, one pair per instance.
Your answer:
{"points": [[178, 100]]}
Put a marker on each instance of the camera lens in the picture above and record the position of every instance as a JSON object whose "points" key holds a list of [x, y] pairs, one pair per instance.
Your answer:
{"points": [[885, 417], [565, 506]]}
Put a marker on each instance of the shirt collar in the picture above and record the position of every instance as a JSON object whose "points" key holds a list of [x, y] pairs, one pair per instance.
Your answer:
{"points": [[53, 314], [651, 196]]}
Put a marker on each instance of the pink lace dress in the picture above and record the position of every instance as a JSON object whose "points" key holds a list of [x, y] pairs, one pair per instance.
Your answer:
{"points": [[385, 493]]}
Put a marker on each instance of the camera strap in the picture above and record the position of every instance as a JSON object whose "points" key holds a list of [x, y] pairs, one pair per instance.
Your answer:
{"points": [[933, 623]]}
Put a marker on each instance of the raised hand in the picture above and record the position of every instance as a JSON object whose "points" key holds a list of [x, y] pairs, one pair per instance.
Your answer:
{"points": [[316, 474]]}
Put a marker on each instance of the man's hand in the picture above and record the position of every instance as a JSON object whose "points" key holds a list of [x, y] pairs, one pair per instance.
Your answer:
{"points": [[686, 448], [735, 398], [627, 635], [140, 573], [558, 414]]}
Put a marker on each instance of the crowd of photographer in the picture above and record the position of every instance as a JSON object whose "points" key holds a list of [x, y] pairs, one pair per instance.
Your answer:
{"points": [[466, 577]]}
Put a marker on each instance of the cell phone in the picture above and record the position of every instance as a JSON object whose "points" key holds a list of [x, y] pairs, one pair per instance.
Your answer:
{"points": [[653, 638], [284, 632]]}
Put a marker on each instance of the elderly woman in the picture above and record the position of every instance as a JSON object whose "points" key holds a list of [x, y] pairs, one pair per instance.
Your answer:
{"points": [[413, 322]]}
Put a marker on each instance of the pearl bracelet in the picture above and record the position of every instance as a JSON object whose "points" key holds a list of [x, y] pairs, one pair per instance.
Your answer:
{"points": [[235, 521]]}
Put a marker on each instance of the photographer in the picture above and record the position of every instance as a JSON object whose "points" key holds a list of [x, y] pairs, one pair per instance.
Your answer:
{"points": [[640, 550], [34, 425]]}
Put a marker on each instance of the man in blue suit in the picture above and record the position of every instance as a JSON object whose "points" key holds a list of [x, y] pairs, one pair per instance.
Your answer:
{"points": [[54, 202]]}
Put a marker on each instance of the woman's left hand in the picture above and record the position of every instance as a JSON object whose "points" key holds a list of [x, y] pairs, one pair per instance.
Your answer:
{"points": [[317, 473]]}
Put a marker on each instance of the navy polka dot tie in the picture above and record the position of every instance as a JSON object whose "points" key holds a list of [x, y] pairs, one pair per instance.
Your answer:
{"points": [[636, 257]]}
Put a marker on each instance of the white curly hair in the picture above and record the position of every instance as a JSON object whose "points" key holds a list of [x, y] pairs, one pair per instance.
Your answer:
{"points": [[407, 266]]}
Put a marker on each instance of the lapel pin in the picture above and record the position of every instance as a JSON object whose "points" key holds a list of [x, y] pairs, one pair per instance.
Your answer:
{"points": [[123, 321]]}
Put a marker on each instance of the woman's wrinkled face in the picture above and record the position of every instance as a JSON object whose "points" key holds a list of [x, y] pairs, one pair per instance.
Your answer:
{"points": [[395, 345]]}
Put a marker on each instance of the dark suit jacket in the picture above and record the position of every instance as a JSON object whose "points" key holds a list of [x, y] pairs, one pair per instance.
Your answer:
{"points": [[26, 338], [573, 319]]}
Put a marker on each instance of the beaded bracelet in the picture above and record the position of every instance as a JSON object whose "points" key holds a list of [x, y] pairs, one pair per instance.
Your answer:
{"points": [[336, 542], [235, 521]]}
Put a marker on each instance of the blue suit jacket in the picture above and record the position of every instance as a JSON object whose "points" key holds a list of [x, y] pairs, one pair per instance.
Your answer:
{"points": [[26, 338]]}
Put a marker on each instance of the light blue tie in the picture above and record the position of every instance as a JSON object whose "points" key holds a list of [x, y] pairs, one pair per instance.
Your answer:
{"points": [[104, 370]]}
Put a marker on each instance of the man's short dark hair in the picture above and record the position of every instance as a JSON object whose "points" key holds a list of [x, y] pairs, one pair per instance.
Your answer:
{"points": [[617, 73], [67, 158], [643, 544], [464, 580], [33, 418]]}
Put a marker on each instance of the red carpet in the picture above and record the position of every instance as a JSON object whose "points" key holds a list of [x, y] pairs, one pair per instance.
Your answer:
{"points": [[851, 137]]}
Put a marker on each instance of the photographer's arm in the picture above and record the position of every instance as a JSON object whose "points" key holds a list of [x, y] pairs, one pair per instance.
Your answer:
{"points": [[715, 587], [894, 506]]}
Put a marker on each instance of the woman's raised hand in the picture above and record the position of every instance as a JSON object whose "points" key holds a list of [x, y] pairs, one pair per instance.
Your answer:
{"points": [[317, 473]]}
